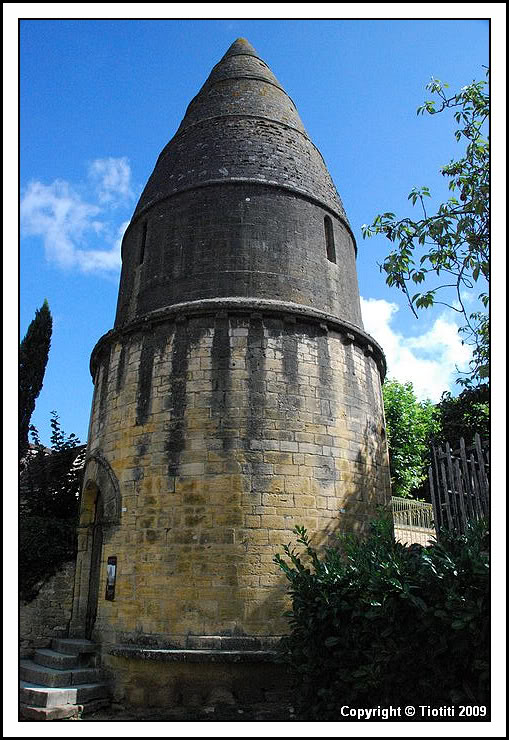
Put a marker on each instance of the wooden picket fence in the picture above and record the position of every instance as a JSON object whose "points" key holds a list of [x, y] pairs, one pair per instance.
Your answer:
{"points": [[459, 484]]}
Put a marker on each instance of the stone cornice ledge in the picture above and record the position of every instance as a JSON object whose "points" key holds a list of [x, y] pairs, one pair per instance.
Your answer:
{"points": [[186, 655], [264, 307]]}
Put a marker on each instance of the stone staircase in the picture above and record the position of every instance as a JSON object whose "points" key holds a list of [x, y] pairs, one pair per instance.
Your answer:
{"points": [[62, 682]]}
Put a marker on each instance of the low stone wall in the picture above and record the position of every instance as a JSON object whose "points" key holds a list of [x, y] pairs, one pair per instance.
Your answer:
{"points": [[194, 678], [49, 614]]}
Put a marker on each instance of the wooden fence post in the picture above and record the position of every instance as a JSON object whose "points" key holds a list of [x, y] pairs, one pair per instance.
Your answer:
{"points": [[459, 484]]}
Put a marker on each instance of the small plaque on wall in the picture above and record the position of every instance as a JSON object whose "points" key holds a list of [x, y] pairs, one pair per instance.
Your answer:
{"points": [[111, 577]]}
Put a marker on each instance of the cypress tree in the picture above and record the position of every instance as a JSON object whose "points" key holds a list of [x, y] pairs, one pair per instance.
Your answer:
{"points": [[33, 357]]}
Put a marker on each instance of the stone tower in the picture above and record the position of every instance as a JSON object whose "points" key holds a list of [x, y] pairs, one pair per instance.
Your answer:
{"points": [[237, 394]]}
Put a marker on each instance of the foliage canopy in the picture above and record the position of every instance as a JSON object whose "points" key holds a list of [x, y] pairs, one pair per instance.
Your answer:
{"points": [[414, 427], [50, 484], [51, 479], [464, 416], [411, 427]]}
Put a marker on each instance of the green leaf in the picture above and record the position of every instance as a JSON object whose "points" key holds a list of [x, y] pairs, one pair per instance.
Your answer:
{"points": [[331, 641]]}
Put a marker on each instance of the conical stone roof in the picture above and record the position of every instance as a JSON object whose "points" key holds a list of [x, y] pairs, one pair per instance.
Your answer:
{"points": [[241, 126]]}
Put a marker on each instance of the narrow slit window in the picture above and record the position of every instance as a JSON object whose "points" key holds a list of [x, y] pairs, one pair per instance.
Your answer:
{"points": [[143, 243], [329, 240]]}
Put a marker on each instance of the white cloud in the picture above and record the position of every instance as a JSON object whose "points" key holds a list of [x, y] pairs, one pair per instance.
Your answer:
{"points": [[428, 360], [97, 260], [112, 178], [70, 226]]}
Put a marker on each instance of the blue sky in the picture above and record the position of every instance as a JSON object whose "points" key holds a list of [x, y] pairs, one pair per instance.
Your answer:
{"points": [[99, 99]]}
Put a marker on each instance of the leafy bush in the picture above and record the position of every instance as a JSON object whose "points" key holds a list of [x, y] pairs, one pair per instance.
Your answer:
{"points": [[51, 478], [375, 622], [50, 483]]}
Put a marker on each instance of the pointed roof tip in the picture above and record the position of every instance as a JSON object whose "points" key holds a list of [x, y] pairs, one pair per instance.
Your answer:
{"points": [[230, 109], [241, 46]]}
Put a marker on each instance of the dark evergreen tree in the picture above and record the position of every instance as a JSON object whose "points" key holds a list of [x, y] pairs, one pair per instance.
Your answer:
{"points": [[33, 358]]}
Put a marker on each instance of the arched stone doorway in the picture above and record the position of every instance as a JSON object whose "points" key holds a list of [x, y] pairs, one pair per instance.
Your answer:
{"points": [[100, 509]]}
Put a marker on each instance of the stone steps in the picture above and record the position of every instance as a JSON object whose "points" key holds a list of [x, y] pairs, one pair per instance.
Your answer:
{"points": [[62, 682], [73, 646], [53, 677], [54, 659], [47, 696], [67, 711]]}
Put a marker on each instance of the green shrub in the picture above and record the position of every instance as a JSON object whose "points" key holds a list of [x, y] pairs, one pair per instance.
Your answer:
{"points": [[50, 483], [375, 622]]}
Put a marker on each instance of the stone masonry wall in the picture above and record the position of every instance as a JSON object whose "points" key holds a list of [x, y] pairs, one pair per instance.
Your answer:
{"points": [[225, 432], [239, 240], [257, 149], [48, 615]]}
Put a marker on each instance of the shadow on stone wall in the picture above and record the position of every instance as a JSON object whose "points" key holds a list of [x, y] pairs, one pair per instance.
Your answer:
{"points": [[367, 499], [48, 615]]}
